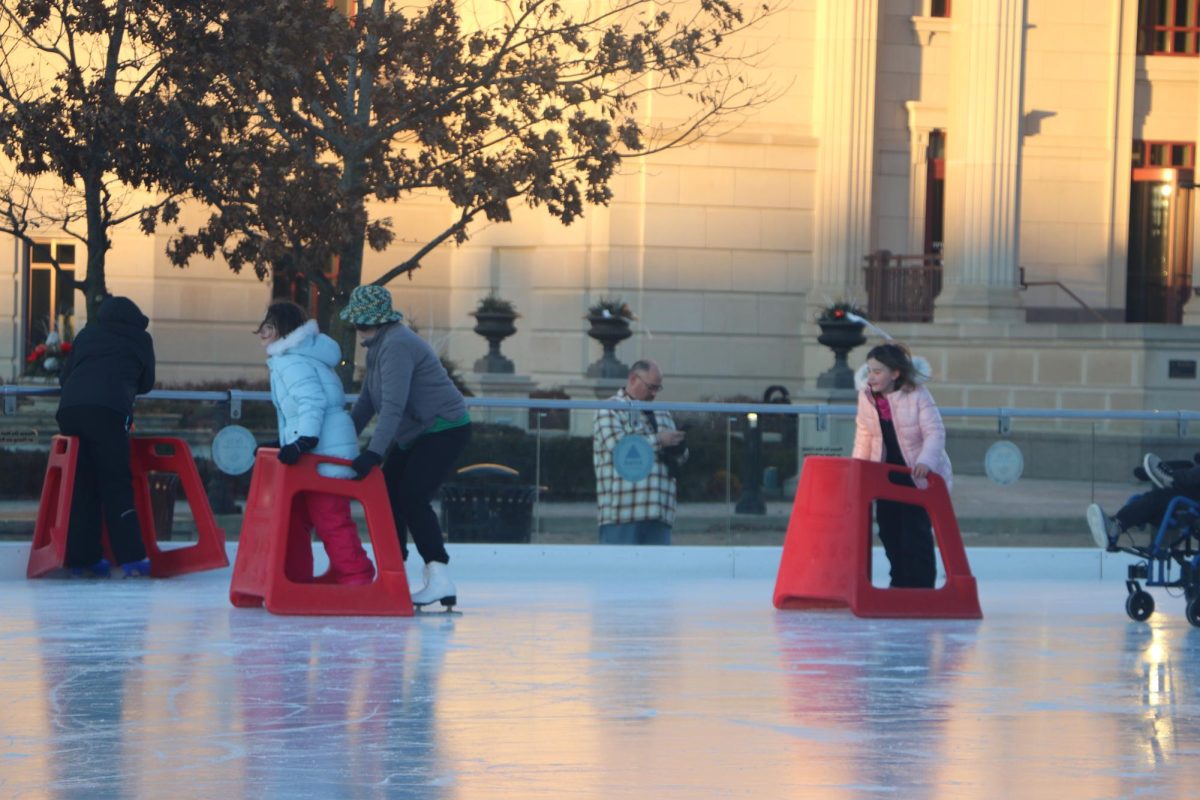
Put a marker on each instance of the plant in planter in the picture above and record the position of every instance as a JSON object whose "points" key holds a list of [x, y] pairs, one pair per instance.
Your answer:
{"points": [[491, 303], [494, 317], [841, 334], [47, 358], [610, 308], [609, 319], [837, 310]]}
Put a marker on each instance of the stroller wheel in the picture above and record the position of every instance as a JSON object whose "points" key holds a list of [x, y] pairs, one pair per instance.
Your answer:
{"points": [[1193, 611], [1140, 605]]}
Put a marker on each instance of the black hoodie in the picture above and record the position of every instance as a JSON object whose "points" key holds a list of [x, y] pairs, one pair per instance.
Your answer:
{"points": [[111, 360]]}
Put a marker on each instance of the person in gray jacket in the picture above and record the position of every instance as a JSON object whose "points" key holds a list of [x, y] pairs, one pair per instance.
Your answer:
{"points": [[422, 428]]}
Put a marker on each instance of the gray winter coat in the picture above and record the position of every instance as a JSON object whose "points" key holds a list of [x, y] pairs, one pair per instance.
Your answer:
{"points": [[407, 386]]}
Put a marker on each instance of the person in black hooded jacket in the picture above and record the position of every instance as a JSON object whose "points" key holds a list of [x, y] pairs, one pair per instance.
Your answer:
{"points": [[111, 362]]}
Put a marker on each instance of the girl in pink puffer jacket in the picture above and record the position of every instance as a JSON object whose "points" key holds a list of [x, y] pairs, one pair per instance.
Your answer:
{"points": [[899, 423]]}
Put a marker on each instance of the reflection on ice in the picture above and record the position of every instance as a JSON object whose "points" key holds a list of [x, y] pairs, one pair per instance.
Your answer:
{"points": [[634, 688]]}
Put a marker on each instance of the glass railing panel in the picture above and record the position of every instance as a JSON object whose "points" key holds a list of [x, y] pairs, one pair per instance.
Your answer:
{"points": [[736, 487], [491, 492], [1030, 485], [709, 482], [768, 450], [24, 445], [564, 505], [566, 511]]}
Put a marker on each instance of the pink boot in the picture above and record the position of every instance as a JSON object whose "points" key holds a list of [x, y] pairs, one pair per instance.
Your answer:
{"points": [[348, 561]]}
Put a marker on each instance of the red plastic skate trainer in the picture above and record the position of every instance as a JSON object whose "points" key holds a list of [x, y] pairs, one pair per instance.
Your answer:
{"points": [[258, 570], [147, 454], [827, 554]]}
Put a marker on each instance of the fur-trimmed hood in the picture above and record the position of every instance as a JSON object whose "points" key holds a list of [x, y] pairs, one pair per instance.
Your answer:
{"points": [[924, 373], [307, 340]]}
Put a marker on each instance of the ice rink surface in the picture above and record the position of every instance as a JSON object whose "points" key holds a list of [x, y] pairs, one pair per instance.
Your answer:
{"points": [[610, 686]]}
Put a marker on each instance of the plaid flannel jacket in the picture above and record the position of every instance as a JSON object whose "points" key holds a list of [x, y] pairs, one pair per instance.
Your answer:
{"points": [[617, 499]]}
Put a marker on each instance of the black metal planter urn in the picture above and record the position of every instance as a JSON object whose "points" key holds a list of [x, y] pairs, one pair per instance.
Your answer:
{"points": [[841, 336], [609, 332], [495, 326]]}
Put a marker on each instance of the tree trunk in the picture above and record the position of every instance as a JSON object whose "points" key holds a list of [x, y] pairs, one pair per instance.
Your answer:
{"points": [[344, 334], [93, 285], [349, 276]]}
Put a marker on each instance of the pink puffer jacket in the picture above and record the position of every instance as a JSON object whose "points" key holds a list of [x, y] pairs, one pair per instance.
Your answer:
{"points": [[918, 423]]}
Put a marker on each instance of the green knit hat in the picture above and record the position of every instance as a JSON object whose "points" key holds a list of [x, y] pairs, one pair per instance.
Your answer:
{"points": [[370, 305]]}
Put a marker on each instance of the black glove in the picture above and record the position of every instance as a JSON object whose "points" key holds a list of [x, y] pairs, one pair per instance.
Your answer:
{"points": [[290, 453], [363, 464]]}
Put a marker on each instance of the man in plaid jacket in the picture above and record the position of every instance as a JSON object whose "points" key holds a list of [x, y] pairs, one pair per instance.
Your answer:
{"points": [[637, 511]]}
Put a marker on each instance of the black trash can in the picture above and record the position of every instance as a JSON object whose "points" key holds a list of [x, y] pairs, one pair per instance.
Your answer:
{"points": [[487, 503]]}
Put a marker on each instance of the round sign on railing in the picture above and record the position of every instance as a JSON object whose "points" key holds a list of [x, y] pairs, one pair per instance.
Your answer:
{"points": [[1004, 463], [633, 457], [233, 449]]}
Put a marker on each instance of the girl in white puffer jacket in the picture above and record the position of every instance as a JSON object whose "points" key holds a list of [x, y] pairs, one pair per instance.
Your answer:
{"points": [[311, 410], [899, 423]]}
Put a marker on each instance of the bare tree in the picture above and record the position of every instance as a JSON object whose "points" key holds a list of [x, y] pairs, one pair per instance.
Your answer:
{"points": [[90, 126]]}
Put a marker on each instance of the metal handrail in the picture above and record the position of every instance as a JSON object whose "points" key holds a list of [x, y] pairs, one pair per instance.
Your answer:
{"points": [[1001, 413], [1024, 284]]}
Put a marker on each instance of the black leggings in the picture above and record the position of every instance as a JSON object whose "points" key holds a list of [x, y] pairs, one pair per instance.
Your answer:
{"points": [[412, 477], [907, 536], [103, 487]]}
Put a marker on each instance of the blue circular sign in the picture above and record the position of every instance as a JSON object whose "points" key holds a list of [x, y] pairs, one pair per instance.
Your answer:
{"points": [[1004, 463], [233, 450], [633, 458]]}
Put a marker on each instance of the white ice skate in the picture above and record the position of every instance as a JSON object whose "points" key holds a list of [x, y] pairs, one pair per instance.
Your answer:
{"points": [[438, 587]]}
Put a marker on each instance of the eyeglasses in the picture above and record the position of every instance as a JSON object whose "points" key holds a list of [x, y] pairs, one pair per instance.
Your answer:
{"points": [[654, 387]]}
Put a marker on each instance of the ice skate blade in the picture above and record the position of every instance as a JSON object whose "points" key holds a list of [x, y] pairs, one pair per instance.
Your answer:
{"points": [[447, 602], [441, 613]]}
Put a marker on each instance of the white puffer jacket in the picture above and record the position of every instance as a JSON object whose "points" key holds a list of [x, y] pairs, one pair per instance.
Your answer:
{"points": [[308, 396], [918, 423]]}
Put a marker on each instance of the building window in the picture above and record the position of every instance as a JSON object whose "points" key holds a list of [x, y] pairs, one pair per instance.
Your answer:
{"points": [[1180, 155], [1169, 27], [939, 8], [51, 297], [935, 192]]}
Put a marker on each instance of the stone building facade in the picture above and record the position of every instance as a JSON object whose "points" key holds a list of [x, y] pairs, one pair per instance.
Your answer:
{"points": [[1040, 152]]}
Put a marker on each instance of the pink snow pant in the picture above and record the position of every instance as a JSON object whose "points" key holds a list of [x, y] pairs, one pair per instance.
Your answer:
{"points": [[330, 515]]}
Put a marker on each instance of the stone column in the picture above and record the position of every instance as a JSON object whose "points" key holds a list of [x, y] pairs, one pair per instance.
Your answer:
{"points": [[983, 164], [844, 111]]}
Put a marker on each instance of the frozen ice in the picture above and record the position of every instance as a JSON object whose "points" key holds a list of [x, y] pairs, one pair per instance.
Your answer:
{"points": [[593, 684]]}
